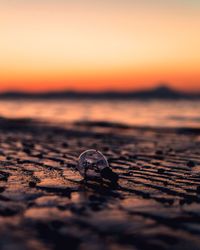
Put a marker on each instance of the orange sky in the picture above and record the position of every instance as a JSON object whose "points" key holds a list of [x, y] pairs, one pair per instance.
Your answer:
{"points": [[99, 45]]}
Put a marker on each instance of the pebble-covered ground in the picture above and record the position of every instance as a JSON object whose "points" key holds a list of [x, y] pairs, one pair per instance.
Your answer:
{"points": [[44, 204]]}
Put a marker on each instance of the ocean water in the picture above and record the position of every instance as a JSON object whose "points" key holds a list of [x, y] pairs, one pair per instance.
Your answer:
{"points": [[154, 113]]}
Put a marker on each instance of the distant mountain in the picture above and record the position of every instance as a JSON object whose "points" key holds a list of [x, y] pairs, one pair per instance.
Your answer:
{"points": [[160, 92]]}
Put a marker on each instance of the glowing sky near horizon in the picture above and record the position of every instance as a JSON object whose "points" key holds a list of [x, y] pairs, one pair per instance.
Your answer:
{"points": [[99, 45]]}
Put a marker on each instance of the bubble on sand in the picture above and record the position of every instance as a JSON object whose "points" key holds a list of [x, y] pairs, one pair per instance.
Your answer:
{"points": [[93, 164]]}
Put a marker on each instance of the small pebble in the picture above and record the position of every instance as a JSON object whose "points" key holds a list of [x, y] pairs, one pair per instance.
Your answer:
{"points": [[65, 145], [159, 152], [108, 174], [32, 184], [27, 151], [190, 164], [2, 189], [161, 170]]}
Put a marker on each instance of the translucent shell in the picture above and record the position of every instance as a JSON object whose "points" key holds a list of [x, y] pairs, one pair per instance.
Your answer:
{"points": [[91, 163]]}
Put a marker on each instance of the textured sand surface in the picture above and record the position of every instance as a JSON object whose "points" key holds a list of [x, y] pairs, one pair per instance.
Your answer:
{"points": [[45, 205]]}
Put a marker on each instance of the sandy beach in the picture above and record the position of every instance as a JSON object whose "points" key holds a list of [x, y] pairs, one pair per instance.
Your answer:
{"points": [[99, 125], [44, 203]]}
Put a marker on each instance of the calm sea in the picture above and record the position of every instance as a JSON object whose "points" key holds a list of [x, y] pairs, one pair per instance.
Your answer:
{"points": [[141, 113]]}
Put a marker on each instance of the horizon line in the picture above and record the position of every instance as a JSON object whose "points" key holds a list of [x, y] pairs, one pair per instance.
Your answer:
{"points": [[163, 85]]}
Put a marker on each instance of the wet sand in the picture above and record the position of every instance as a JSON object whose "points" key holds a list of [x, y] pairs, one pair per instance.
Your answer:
{"points": [[45, 205]]}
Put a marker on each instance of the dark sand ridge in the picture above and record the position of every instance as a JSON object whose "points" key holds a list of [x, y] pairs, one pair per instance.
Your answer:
{"points": [[45, 205]]}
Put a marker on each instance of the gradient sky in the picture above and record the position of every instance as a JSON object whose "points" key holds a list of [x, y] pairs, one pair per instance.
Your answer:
{"points": [[99, 45]]}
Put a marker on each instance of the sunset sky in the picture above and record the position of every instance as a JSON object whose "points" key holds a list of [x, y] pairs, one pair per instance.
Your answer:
{"points": [[99, 44]]}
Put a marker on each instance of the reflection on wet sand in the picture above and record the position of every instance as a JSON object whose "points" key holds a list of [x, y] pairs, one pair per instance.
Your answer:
{"points": [[140, 113]]}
